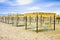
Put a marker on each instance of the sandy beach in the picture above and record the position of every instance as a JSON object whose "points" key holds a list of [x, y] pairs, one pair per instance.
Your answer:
{"points": [[9, 32]]}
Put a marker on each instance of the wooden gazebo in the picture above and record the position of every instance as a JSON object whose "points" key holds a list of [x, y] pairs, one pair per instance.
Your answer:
{"points": [[17, 19], [58, 19], [35, 20]]}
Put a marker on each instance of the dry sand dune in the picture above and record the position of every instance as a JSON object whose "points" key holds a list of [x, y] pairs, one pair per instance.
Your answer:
{"points": [[9, 32]]}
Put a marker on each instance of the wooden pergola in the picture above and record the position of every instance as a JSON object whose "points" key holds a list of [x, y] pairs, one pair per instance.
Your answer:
{"points": [[58, 18], [10, 19], [1, 18], [36, 15], [17, 18], [6, 19], [33, 20], [21, 20]]}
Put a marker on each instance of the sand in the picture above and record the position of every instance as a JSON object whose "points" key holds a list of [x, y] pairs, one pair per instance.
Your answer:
{"points": [[9, 32]]}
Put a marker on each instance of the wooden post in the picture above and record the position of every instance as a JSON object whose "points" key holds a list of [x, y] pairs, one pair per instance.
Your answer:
{"points": [[8, 19], [30, 19], [12, 20], [37, 23], [5, 19], [50, 20], [58, 21], [26, 22], [54, 22], [17, 20], [41, 20], [2, 19]]}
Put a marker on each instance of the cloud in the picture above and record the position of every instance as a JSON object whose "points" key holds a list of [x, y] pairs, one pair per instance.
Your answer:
{"points": [[1, 1], [11, 3], [24, 2], [4, 12], [57, 11], [16, 2], [20, 6], [50, 4], [33, 8]]}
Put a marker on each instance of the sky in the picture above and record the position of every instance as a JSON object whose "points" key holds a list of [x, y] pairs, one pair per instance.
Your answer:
{"points": [[22, 6]]}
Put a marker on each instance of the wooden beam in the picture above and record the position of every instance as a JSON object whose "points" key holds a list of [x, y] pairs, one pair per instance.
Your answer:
{"points": [[58, 21], [54, 22], [17, 21], [12, 20], [8, 19], [50, 19], [41, 20], [37, 23], [30, 19], [26, 22]]}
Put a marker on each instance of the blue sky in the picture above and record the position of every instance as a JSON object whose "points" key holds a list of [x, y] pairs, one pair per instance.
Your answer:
{"points": [[22, 6]]}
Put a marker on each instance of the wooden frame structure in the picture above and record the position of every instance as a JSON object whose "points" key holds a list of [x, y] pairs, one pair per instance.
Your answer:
{"points": [[17, 19], [58, 19], [36, 15], [34, 20]]}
